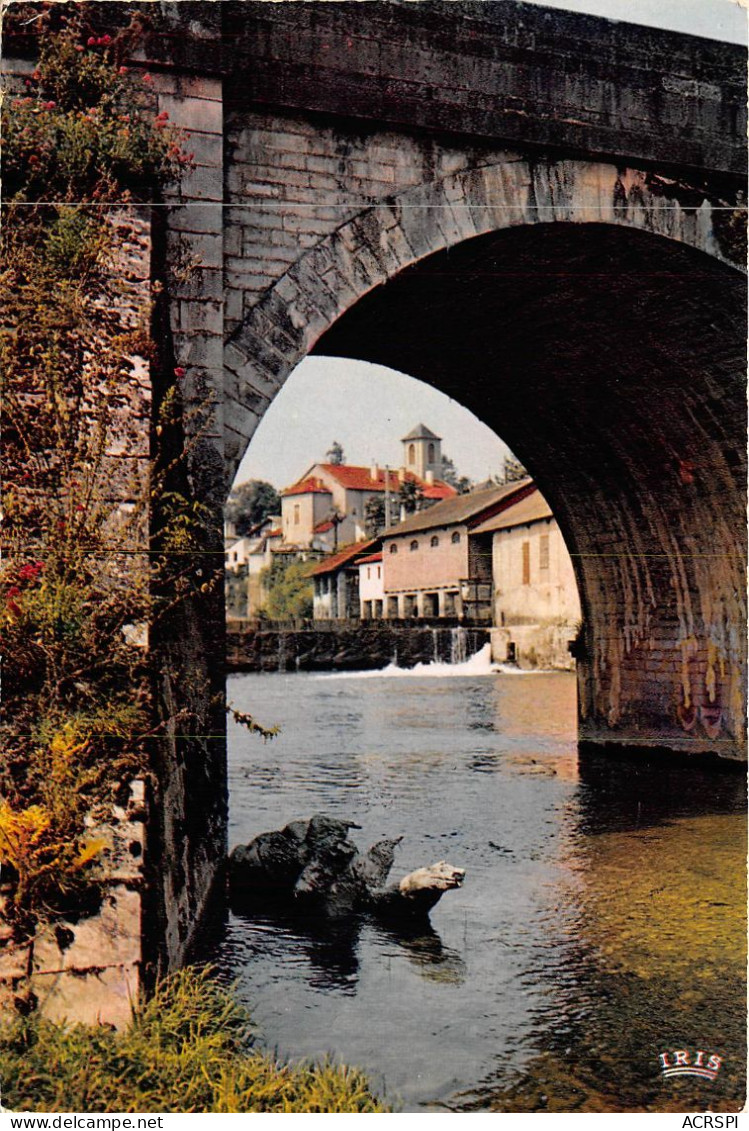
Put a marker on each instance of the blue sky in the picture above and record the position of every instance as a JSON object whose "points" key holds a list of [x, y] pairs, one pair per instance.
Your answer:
{"points": [[368, 408]]}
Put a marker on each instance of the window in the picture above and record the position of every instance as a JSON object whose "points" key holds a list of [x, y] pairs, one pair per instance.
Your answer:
{"points": [[369, 572], [431, 453], [296, 514], [393, 548], [434, 541], [455, 538], [543, 552], [412, 453], [526, 563], [414, 546], [379, 572]]}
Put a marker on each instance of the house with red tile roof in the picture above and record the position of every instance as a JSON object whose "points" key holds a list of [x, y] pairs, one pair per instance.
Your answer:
{"points": [[371, 586], [338, 494], [336, 581]]}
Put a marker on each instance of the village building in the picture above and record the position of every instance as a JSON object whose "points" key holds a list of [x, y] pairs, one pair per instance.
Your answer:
{"points": [[536, 604], [329, 501], [336, 582], [433, 569], [245, 559], [371, 586]]}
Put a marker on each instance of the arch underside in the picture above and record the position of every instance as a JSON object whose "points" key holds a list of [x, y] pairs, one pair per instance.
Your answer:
{"points": [[612, 362]]}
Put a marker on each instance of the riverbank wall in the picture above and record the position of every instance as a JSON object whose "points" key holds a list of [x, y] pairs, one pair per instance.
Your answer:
{"points": [[348, 645]]}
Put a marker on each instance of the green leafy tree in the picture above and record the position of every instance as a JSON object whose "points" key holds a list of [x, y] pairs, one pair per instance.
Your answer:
{"points": [[374, 515], [289, 587], [336, 454], [411, 496], [251, 502], [461, 483], [513, 470]]}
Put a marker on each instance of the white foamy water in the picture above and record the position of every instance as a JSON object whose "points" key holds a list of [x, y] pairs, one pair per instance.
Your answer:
{"points": [[480, 663]]}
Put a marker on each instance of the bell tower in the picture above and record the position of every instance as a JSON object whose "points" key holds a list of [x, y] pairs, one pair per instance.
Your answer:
{"points": [[422, 452]]}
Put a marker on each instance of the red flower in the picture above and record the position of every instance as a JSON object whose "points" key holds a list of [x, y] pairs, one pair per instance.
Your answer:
{"points": [[147, 77], [105, 40], [78, 47], [49, 105], [122, 71], [162, 117], [179, 371], [91, 41], [37, 75], [30, 571], [33, 159], [79, 507]]}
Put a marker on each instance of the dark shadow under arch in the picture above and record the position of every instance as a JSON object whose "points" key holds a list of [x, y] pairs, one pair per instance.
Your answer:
{"points": [[613, 362]]}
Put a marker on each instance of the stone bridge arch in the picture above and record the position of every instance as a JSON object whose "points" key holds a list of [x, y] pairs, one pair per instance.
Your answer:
{"points": [[645, 471]]}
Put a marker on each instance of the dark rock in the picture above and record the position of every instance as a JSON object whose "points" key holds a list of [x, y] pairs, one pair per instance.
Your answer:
{"points": [[315, 864]]}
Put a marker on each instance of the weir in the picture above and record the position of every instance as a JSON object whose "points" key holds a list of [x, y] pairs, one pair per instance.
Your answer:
{"points": [[350, 646]]}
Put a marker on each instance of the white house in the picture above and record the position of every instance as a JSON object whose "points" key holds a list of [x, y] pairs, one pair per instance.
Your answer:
{"points": [[371, 586]]}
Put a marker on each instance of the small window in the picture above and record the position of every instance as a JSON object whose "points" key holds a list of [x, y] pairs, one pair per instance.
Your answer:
{"points": [[543, 552], [393, 548], [379, 571], [296, 515], [369, 572], [455, 538], [434, 541], [411, 453], [431, 453], [414, 546], [526, 563]]}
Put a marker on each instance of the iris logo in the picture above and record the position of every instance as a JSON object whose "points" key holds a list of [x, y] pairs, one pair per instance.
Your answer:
{"points": [[681, 1062]]}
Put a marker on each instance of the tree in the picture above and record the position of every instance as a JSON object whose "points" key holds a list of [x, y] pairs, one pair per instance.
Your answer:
{"points": [[374, 515], [289, 587], [251, 502], [461, 483], [336, 455], [411, 496], [514, 470]]}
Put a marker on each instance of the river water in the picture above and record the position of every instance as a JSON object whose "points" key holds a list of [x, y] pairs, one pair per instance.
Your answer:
{"points": [[601, 923]]}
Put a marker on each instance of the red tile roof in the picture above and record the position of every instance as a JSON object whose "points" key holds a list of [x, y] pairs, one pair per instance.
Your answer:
{"points": [[370, 558], [362, 479], [308, 486], [343, 557], [323, 527]]}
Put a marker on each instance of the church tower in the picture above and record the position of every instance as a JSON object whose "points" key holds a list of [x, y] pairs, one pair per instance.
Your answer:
{"points": [[422, 452]]}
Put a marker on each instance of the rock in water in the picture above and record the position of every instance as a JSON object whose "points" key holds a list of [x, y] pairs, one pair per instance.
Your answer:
{"points": [[315, 863], [418, 892]]}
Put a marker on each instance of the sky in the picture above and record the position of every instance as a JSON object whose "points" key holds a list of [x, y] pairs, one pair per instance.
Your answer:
{"points": [[367, 408]]}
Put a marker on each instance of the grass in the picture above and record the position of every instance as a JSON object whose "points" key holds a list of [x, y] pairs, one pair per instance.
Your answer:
{"points": [[189, 1049]]}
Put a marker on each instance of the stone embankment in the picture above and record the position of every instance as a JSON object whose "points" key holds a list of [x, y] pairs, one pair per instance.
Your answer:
{"points": [[349, 646]]}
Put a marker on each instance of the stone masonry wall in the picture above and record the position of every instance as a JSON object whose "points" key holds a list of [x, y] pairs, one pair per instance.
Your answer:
{"points": [[88, 968]]}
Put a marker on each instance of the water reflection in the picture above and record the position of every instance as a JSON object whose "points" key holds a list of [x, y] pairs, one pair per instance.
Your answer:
{"points": [[653, 953], [601, 921]]}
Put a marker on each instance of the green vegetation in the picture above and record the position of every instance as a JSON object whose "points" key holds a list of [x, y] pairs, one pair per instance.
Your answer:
{"points": [[290, 589], [250, 503], [189, 1049], [336, 454], [80, 145]]}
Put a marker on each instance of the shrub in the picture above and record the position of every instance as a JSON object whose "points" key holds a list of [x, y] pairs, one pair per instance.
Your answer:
{"points": [[189, 1049]]}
